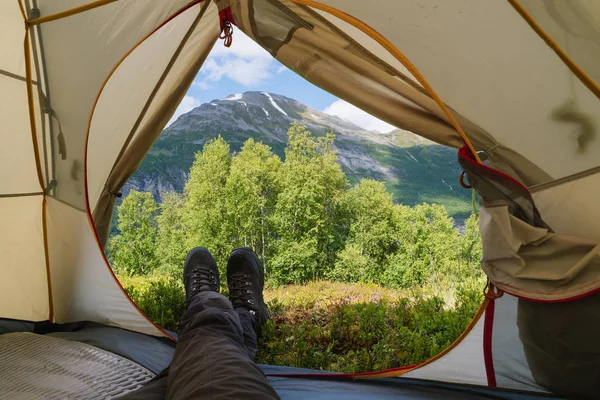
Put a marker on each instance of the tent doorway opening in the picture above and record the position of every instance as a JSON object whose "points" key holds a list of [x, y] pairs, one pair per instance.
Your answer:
{"points": [[369, 245]]}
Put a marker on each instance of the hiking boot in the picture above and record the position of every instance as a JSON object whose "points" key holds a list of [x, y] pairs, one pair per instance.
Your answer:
{"points": [[245, 280], [200, 273]]}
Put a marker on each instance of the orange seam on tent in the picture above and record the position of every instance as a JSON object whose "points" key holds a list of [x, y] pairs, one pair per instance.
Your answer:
{"points": [[87, 137], [36, 150], [400, 57], [28, 83], [68, 13], [22, 11], [47, 255], [579, 73]]}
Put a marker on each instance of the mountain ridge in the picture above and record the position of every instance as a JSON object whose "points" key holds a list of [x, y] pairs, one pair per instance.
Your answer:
{"points": [[415, 169]]}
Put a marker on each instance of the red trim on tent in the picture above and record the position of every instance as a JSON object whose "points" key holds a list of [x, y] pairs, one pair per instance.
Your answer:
{"points": [[466, 155], [488, 326], [565, 300]]}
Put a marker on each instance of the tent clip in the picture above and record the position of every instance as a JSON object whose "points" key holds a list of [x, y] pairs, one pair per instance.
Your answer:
{"points": [[227, 22], [492, 292]]}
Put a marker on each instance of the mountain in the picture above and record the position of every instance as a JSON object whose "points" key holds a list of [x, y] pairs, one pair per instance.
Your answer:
{"points": [[415, 170]]}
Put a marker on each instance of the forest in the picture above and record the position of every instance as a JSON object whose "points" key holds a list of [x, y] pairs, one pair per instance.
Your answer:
{"points": [[354, 281]]}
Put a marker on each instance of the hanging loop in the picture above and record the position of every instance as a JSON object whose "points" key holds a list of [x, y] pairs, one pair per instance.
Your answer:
{"points": [[227, 21], [492, 292], [461, 180]]}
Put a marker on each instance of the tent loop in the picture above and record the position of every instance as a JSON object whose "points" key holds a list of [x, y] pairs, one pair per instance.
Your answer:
{"points": [[227, 21], [461, 180], [492, 292], [226, 33]]}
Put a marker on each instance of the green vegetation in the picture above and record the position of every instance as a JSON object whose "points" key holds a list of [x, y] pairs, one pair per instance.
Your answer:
{"points": [[373, 284]]}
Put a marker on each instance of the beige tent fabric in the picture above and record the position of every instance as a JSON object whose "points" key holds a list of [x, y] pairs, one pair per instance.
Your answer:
{"points": [[200, 33], [574, 25], [83, 287], [572, 207], [339, 65], [16, 149], [93, 42], [23, 287], [522, 95], [533, 262], [338, 57]]}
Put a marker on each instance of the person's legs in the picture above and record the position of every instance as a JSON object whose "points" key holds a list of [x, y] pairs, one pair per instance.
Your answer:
{"points": [[211, 360], [217, 344], [250, 338]]}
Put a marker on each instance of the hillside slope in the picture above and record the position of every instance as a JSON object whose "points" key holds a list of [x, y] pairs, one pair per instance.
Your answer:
{"points": [[414, 169]]}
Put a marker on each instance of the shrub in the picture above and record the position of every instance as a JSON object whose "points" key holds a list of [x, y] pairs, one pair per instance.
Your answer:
{"points": [[161, 298], [354, 335]]}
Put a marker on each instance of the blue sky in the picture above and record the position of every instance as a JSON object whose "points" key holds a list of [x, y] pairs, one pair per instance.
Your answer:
{"points": [[246, 66]]}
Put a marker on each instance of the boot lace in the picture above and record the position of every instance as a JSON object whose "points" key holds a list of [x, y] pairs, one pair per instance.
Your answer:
{"points": [[240, 292], [202, 277]]}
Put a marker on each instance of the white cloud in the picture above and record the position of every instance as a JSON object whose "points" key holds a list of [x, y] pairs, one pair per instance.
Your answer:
{"points": [[281, 69], [354, 114], [187, 104], [245, 62], [201, 85]]}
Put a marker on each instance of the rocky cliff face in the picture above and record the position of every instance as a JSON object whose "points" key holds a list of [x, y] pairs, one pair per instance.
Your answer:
{"points": [[414, 169]]}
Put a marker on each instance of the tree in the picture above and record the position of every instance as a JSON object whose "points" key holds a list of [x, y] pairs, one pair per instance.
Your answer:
{"points": [[470, 250], [311, 181], [171, 240], [428, 246], [368, 210], [205, 216], [251, 194], [133, 250]]}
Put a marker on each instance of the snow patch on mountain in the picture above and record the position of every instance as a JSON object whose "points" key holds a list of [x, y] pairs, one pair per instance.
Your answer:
{"points": [[233, 97], [274, 104]]}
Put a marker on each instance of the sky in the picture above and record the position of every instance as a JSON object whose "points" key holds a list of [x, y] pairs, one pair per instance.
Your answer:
{"points": [[246, 66]]}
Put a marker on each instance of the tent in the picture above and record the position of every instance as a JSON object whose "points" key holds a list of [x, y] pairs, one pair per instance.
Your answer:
{"points": [[87, 86]]}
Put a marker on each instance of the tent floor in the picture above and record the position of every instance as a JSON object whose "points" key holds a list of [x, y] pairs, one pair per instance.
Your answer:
{"points": [[152, 355]]}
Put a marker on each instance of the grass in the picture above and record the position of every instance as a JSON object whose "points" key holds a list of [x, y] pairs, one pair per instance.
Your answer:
{"points": [[338, 326]]}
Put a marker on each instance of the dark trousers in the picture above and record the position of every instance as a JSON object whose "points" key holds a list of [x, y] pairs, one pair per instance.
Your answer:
{"points": [[214, 357]]}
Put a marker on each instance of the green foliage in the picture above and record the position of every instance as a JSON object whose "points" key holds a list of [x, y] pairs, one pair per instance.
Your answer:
{"points": [[311, 181], [162, 298], [251, 194], [205, 212], [357, 336], [421, 275], [133, 250], [170, 248]]}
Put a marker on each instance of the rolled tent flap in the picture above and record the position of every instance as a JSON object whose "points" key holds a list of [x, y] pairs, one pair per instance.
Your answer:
{"points": [[110, 164], [522, 254]]}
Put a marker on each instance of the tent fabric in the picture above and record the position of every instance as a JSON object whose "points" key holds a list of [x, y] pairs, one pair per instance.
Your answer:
{"points": [[573, 25], [522, 95], [83, 287], [174, 77], [74, 131]]}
